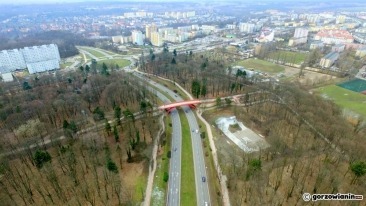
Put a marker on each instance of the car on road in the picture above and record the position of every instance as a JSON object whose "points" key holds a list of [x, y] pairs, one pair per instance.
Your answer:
{"points": [[203, 179], [206, 203], [197, 131], [175, 149]]}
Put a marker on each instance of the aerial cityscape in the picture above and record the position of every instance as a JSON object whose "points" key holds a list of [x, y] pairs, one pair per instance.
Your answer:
{"points": [[183, 102]]}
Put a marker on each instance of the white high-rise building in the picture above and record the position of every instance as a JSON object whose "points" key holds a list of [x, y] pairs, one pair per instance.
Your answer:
{"points": [[300, 37], [36, 59], [301, 32], [247, 27], [11, 60], [137, 37]]}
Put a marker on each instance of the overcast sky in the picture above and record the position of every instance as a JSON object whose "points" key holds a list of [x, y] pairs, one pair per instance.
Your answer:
{"points": [[70, 1]]}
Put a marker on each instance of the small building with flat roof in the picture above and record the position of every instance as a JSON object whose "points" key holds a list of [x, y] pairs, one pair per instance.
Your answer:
{"points": [[329, 59]]}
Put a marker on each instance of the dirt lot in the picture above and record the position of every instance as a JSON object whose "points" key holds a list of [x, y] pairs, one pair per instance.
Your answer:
{"points": [[308, 77]]}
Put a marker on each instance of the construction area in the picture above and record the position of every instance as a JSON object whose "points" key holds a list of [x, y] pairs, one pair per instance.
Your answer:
{"points": [[243, 137]]}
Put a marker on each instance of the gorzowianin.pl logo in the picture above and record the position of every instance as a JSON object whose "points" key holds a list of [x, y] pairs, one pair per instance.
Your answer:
{"points": [[339, 196]]}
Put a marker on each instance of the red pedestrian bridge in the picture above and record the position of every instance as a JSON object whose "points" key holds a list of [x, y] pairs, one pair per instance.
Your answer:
{"points": [[191, 103]]}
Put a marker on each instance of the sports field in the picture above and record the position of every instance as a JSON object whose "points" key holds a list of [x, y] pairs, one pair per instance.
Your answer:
{"points": [[261, 65], [289, 56], [345, 98], [356, 85]]}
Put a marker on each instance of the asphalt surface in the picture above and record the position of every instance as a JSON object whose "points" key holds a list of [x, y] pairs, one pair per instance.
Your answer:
{"points": [[173, 196], [202, 191]]}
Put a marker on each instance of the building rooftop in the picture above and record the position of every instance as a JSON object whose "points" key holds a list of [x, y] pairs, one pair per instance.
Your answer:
{"points": [[332, 56], [335, 33]]}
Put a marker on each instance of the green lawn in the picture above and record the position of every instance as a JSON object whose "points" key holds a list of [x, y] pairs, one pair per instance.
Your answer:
{"points": [[121, 62], [345, 98], [260, 65], [288, 56], [188, 186], [93, 52], [140, 188], [63, 66]]}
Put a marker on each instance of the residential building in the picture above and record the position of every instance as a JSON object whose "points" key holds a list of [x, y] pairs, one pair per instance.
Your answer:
{"points": [[316, 45], [300, 37], [182, 37], [156, 39], [247, 27], [301, 32], [195, 27], [361, 52], [36, 59], [231, 26], [149, 29], [137, 37], [117, 39], [266, 35], [329, 59], [334, 36], [340, 19], [338, 47], [12, 60]]}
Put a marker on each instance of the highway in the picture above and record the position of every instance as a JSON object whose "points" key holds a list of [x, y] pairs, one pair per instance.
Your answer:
{"points": [[202, 190], [173, 195]]}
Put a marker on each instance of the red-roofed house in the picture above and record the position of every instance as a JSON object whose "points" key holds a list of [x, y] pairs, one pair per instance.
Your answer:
{"points": [[334, 36]]}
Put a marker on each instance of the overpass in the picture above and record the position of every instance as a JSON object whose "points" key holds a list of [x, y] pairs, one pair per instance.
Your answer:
{"points": [[191, 103]]}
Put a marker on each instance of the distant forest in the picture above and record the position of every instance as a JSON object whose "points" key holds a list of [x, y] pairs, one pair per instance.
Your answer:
{"points": [[65, 41]]}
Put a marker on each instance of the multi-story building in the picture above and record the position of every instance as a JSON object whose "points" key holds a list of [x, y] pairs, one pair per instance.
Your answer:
{"points": [[11, 60], [137, 37], [36, 59], [340, 19], [149, 29], [141, 14], [182, 37], [195, 27], [338, 48], [156, 39], [300, 37], [329, 59], [247, 27], [316, 45], [361, 52], [117, 39], [334, 36], [231, 26], [171, 38], [301, 32]]}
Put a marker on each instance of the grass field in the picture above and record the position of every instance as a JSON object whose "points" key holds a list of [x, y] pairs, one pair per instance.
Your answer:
{"points": [[93, 52], [63, 66], [288, 56], [140, 188], [345, 98], [188, 186], [121, 62], [260, 65]]}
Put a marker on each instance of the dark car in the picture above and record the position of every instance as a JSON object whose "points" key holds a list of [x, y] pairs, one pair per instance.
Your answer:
{"points": [[203, 179]]}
